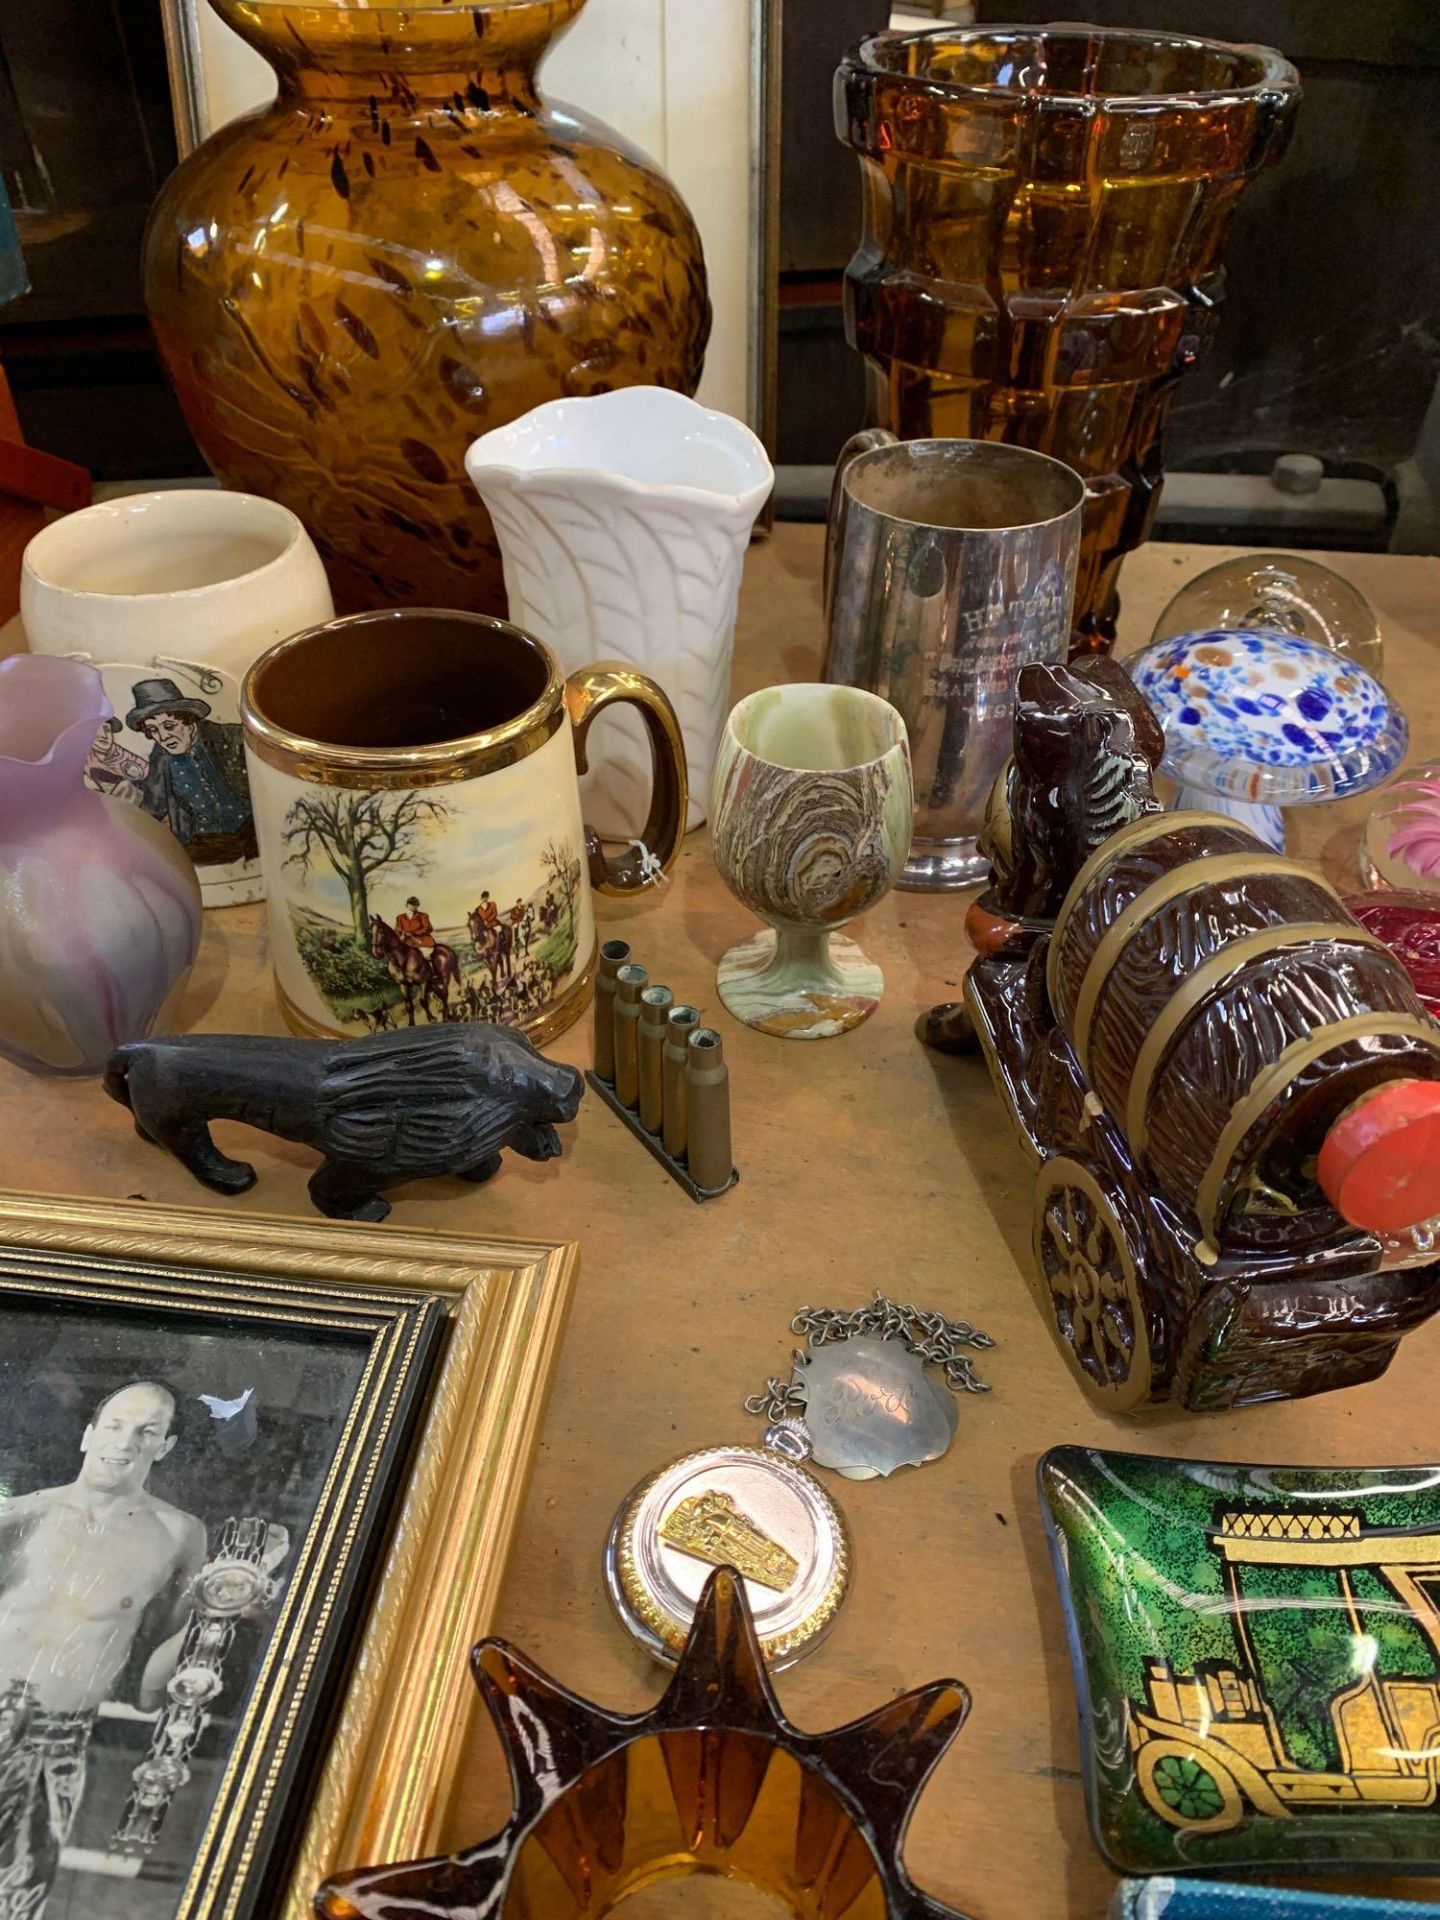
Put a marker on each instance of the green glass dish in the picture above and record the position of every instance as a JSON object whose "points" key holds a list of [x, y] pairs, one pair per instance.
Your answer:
{"points": [[1257, 1659]]}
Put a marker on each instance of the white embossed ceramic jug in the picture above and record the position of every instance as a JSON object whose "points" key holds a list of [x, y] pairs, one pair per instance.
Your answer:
{"points": [[623, 520]]}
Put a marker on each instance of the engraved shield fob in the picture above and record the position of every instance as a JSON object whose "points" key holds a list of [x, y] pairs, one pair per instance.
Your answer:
{"points": [[871, 1407]]}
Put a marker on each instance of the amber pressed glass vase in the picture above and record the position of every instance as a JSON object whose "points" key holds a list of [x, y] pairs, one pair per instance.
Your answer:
{"points": [[1044, 211], [408, 247]]}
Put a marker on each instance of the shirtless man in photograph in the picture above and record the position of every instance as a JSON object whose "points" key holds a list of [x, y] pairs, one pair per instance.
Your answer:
{"points": [[81, 1567]]}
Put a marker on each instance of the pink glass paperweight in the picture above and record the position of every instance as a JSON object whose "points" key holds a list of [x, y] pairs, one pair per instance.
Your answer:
{"points": [[1401, 845]]}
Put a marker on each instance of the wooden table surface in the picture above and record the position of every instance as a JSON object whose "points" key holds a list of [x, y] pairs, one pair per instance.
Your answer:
{"points": [[865, 1162]]}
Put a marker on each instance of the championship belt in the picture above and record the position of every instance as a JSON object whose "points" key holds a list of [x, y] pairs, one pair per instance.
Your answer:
{"points": [[235, 1581]]}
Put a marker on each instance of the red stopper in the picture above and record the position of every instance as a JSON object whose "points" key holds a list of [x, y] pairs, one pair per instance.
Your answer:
{"points": [[987, 931], [1380, 1164]]}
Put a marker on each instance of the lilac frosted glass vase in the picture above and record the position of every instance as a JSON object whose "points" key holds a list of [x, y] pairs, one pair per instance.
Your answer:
{"points": [[99, 906]]}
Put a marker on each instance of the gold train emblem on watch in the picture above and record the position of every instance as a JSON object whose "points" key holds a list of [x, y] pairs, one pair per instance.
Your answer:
{"points": [[711, 1527]]}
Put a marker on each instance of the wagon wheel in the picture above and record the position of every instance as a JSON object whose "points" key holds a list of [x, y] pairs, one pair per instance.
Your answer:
{"points": [[1085, 1258], [1189, 1790]]}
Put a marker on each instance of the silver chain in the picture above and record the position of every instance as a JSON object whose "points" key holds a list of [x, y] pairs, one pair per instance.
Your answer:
{"points": [[938, 1342]]}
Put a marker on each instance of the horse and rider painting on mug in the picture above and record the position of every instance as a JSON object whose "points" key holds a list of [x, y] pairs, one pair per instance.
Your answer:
{"points": [[392, 929]]}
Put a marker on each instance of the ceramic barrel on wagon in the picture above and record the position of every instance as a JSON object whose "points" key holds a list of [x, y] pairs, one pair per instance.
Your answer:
{"points": [[1257, 1126]]}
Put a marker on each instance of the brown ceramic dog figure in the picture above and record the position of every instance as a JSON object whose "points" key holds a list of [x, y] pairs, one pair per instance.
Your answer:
{"points": [[394, 1106]]}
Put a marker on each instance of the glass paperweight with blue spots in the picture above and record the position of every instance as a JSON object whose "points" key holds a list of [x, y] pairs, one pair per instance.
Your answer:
{"points": [[1258, 721]]}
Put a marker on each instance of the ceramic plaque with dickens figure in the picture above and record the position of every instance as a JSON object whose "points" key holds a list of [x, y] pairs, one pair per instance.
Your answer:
{"points": [[171, 595], [174, 748]]}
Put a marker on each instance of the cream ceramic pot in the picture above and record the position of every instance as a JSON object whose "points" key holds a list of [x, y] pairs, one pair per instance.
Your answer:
{"points": [[171, 596], [623, 520]]}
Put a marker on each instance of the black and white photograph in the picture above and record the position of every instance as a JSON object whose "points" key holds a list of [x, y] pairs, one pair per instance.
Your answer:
{"points": [[159, 1477]]}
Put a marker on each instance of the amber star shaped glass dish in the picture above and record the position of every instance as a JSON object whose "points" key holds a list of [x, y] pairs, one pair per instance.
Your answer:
{"points": [[712, 1780]]}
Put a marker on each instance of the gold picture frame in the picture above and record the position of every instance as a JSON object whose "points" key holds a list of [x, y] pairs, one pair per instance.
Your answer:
{"points": [[409, 1704]]}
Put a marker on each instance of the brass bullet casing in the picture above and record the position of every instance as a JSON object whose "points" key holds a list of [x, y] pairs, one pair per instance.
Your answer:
{"points": [[629, 984], [678, 1029], [655, 1005], [613, 955], [707, 1110]]}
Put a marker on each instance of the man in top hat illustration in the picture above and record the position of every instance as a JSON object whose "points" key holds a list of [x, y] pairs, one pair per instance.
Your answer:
{"points": [[196, 777]]}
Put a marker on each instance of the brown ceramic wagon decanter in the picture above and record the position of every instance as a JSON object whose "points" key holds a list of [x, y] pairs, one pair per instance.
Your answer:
{"points": [[1228, 1088], [409, 248]]}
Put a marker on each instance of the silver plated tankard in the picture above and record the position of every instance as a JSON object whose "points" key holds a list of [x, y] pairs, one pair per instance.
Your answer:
{"points": [[949, 566]]}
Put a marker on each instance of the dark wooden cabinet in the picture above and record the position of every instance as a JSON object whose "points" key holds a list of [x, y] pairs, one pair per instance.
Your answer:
{"points": [[86, 137], [820, 388]]}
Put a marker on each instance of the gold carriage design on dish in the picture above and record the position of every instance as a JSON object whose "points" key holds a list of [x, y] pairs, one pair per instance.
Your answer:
{"points": [[1208, 1744]]}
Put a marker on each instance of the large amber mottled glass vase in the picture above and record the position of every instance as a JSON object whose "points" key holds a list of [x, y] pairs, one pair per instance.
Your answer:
{"points": [[1044, 212], [407, 248]]}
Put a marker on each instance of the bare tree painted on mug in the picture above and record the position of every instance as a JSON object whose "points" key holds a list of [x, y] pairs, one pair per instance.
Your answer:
{"points": [[358, 834], [560, 863]]}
